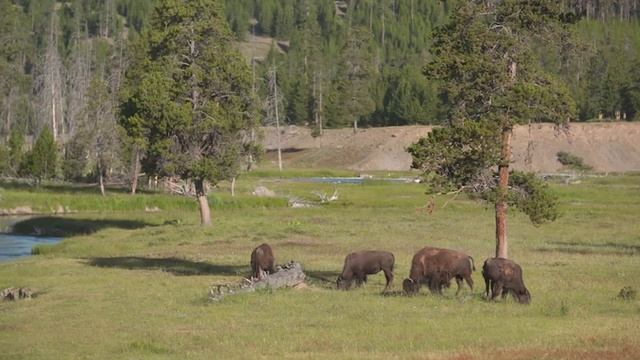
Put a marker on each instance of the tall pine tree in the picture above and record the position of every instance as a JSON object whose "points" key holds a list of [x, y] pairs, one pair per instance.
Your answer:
{"points": [[194, 101], [483, 59]]}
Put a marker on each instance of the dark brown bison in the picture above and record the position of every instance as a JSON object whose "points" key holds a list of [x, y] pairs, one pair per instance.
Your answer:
{"points": [[436, 267], [503, 276], [262, 261], [358, 265]]}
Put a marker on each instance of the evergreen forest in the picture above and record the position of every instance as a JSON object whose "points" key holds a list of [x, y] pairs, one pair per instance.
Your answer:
{"points": [[64, 65]]}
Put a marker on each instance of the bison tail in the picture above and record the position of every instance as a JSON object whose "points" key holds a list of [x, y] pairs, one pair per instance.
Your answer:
{"points": [[473, 266]]}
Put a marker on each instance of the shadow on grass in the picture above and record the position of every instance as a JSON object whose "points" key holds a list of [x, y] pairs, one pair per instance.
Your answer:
{"points": [[174, 266], [285, 150], [322, 277], [65, 226], [585, 248]]}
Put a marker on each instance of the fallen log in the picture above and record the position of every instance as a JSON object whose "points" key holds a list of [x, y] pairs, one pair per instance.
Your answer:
{"points": [[287, 275], [15, 294]]}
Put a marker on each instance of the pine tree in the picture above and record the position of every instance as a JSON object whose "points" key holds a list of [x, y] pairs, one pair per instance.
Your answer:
{"points": [[16, 149], [193, 103], [358, 74], [41, 162], [483, 59]]}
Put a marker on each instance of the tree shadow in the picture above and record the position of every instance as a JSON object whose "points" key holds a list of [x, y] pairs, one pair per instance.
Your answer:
{"points": [[65, 226], [322, 276], [175, 266], [585, 248], [285, 150]]}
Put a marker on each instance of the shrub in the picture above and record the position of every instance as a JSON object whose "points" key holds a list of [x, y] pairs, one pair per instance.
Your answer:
{"points": [[627, 293], [572, 161]]}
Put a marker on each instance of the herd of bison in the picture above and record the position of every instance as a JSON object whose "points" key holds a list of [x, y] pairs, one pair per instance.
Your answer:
{"points": [[433, 267]]}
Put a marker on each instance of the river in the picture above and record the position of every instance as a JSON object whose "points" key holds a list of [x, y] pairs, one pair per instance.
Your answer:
{"points": [[13, 245]]}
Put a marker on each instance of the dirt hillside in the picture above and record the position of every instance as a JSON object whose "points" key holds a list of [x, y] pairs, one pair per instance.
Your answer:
{"points": [[613, 147]]}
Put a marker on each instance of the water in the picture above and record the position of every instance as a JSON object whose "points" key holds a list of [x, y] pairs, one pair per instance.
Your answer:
{"points": [[14, 246], [349, 180]]}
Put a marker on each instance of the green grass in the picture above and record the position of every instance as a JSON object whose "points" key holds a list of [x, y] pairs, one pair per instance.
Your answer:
{"points": [[134, 285], [72, 199]]}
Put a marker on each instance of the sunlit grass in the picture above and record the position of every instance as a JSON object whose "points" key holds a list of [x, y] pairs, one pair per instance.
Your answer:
{"points": [[135, 285]]}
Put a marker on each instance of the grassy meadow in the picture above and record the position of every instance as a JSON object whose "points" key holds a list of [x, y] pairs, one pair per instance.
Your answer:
{"points": [[132, 284]]}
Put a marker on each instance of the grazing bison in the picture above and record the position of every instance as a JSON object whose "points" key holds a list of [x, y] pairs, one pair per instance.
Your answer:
{"points": [[503, 276], [358, 265], [262, 261], [436, 267]]}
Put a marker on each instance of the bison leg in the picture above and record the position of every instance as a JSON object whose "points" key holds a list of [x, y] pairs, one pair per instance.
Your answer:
{"points": [[364, 279], [496, 290], [433, 284], [459, 282], [388, 274], [469, 281], [487, 285]]}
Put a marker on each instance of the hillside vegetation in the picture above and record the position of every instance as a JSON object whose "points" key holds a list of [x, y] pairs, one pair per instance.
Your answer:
{"points": [[62, 66]]}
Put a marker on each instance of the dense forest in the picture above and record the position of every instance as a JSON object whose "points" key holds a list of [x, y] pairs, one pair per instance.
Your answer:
{"points": [[338, 64]]}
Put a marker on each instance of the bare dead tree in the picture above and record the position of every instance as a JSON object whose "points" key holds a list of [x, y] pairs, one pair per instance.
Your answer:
{"points": [[78, 77], [271, 106], [50, 82], [317, 97]]}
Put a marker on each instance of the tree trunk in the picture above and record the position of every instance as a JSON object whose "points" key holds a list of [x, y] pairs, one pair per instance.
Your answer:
{"points": [[54, 126], [288, 275], [277, 120], [503, 189], [355, 126], [9, 101], [101, 180], [136, 170], [383, 29], [233, 186], [320, 105], [205, 213]]}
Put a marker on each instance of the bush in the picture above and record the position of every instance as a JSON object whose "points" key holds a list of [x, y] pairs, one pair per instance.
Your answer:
{"points": [[627, 293], [572, 161], [40, 162]]}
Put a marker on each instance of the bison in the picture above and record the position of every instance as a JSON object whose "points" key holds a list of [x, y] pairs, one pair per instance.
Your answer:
{"points": [[503, 276], [358, 265], [436, 267], [262, 261]]}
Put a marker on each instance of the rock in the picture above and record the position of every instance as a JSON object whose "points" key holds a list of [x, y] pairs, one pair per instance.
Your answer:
{"points": [[15, 294], [262, 191], [151, 209]]}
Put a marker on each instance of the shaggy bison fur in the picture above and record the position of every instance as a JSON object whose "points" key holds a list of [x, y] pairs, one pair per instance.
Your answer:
{"points": [[503, 276], [435, 267], [262, 261], [358, 265]]}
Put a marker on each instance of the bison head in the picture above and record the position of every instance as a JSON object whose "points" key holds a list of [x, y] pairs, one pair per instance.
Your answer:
{"points": [[342, 283], [410, 286], [524, 297]]}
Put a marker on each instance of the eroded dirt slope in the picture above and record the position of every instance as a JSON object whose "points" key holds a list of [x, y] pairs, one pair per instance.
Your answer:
{"points": [[613, 147]]}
